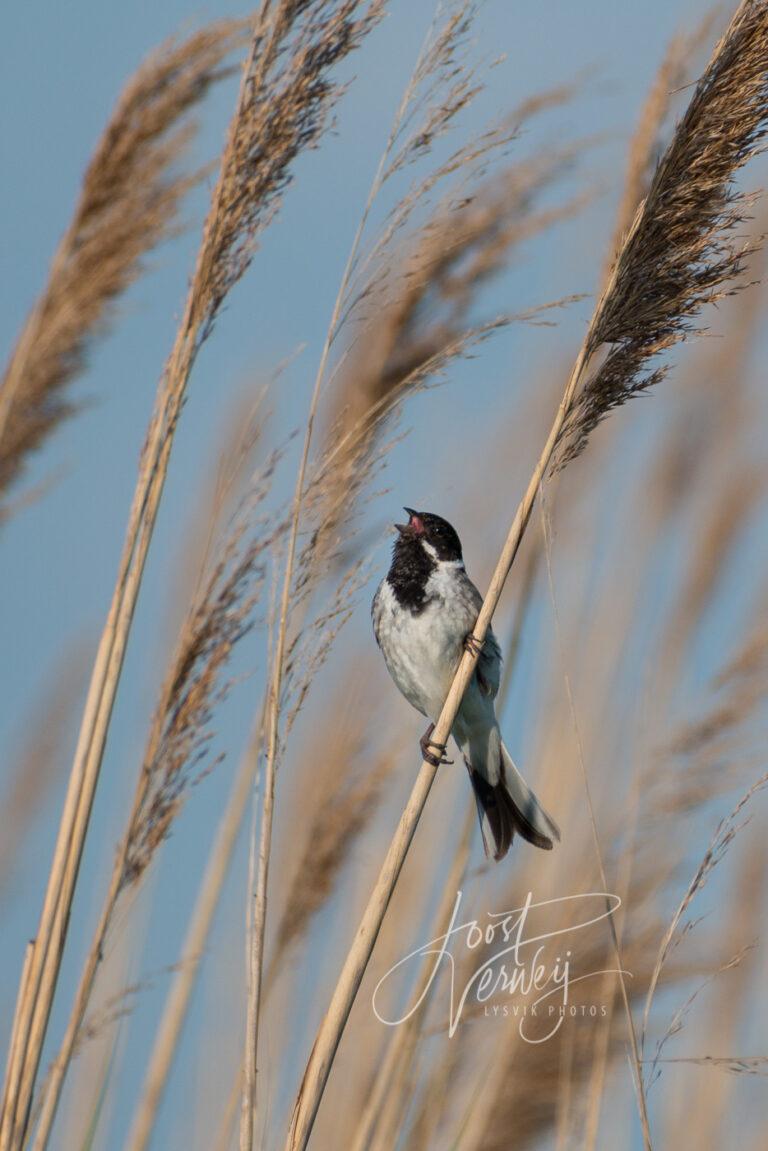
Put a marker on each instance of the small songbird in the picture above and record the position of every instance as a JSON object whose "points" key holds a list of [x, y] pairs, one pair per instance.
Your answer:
{"points": [[423, 614]]}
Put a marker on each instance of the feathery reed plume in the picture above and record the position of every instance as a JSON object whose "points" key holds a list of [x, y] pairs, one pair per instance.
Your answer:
{"points": [[283, 106], [422, 320], [519, 1093], [128, 204], [179, 743], [646, 145], [730, 1003], [437, 276], [410, 296], [233, 467], [676, 257], [180, 737], [681, 251]]}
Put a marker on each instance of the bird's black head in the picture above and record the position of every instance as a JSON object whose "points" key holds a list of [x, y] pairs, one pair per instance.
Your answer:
{"points": [[421, 544], [429, 533]]}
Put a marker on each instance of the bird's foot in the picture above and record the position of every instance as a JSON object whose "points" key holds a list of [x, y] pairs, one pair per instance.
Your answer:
{"points": [[433, 753], [472, 644]]}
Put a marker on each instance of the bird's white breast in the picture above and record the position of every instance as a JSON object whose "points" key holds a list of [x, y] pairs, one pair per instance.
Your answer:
{"points": [[422, 649]]}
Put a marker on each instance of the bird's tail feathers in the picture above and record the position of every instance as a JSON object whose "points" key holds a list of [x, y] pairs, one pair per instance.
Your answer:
{"points": [[510, 806]]}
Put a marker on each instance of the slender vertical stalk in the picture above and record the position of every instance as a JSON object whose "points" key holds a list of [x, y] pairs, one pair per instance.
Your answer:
{"points": [[403, 1042]]}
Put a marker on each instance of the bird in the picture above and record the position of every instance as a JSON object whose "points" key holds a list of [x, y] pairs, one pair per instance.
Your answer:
{"points": [[423, 614]]}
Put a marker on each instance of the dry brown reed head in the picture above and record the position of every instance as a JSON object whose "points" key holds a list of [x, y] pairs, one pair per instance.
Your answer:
{"points": [[741, 687], [288, 99], [221, 614], [437, 277], [646, 144], [129, 202], [414, 318], [683, 250]]}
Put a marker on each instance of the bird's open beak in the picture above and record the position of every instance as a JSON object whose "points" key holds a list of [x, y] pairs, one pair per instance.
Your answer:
{"points": [[415, 525]]}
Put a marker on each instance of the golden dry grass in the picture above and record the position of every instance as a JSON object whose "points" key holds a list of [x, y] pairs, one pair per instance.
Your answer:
{"points": [[129, 202]]}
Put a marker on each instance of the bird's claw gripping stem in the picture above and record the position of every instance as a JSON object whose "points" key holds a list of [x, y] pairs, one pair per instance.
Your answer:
{"points": [[472, 644], [427, 745]]}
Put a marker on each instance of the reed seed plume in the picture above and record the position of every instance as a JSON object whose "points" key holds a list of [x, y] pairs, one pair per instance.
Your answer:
{"points": [[647, 140], [680, 1016], [415, 316], [440, 271], [683, 250], [290, 100], [234, 466], [707, 756], [221, 615], [312, 630], [520, 1090], [129, 202], [181, 734]]}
